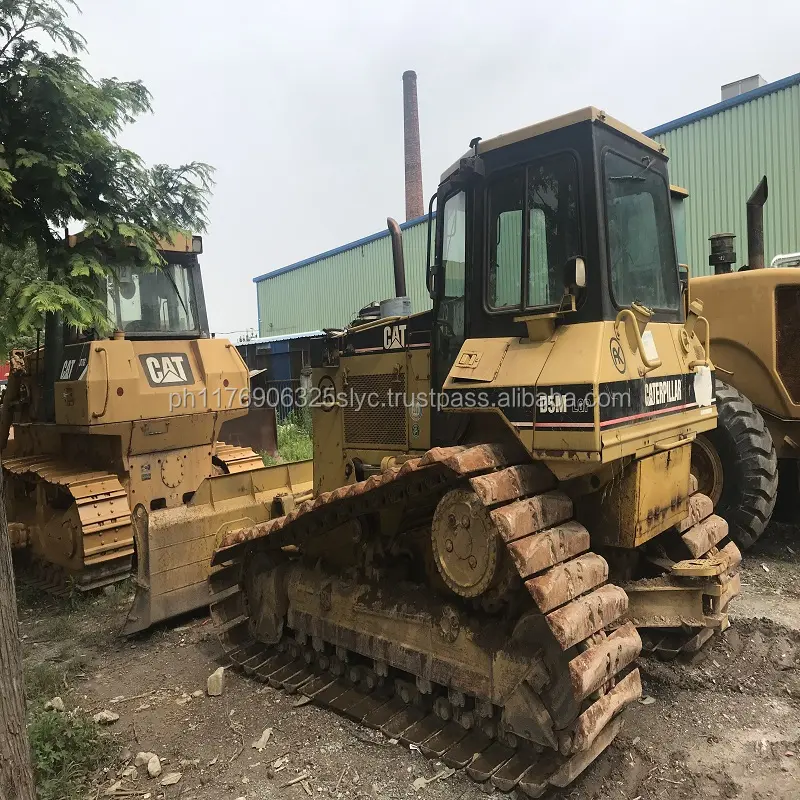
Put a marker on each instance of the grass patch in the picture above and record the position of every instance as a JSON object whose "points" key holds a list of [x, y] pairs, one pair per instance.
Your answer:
{"points": [[295, 440], [67, 747], [67, 750], [45, 680]]}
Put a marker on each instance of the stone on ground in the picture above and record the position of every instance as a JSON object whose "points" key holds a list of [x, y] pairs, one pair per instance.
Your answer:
{"points": [[216, 681]]}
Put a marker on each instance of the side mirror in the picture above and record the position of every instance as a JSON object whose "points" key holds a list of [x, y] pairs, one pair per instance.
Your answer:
{"points": [[575, 273]]}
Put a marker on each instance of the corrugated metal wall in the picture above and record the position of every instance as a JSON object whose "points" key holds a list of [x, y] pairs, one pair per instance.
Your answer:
{"points": [[721, 158], [329, 293]]}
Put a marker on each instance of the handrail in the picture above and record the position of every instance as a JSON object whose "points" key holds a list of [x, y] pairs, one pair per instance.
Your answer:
{"points": [[785, 259], [95, 415], [624, 315]]}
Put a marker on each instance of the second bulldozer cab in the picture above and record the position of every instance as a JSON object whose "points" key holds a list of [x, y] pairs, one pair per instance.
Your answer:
{"points": [[160, 348], [160, 304], [165, 303]]}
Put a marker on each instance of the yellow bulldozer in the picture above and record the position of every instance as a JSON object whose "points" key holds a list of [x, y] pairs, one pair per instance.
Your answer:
{"points": [[502, 510], [125, 470]]}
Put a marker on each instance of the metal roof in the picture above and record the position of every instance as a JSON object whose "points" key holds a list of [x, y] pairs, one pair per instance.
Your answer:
{"points": [[341, 249], [724, 105], [720, 158]]}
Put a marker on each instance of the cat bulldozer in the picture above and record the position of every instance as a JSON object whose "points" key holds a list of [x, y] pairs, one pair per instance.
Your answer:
{"points": [[502, 511], [106, 481]]}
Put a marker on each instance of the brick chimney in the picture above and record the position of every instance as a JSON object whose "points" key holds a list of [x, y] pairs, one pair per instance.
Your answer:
{"points": [[415, 206]]}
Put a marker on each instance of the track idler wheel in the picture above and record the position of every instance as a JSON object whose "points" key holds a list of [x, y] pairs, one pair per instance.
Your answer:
{"points": [[467, 551]]}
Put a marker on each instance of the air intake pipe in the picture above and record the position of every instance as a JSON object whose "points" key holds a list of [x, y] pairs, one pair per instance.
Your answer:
{"points": [[755, 225]]}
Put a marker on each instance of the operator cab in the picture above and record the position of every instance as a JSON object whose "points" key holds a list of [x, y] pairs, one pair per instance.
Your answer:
{"points": [[166, 303], [152, 304], [576, 206]]}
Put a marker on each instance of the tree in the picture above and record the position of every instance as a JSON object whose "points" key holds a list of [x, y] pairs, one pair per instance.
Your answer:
{"points": [[18, 268], [61, 164], [16, 775]]}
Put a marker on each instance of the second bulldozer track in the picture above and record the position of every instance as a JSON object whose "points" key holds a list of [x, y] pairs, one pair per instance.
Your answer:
{"points": [[102, 524], [566, 582]]}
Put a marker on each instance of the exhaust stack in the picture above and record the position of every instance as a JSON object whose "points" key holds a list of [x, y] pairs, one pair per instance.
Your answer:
{"points": [[400, 304], [755, 225], [413, 158], [397, 258]]}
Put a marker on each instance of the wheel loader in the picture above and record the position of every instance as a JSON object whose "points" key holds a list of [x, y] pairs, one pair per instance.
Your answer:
{"points": [[126, 472], [502, 510], [754, 319]]}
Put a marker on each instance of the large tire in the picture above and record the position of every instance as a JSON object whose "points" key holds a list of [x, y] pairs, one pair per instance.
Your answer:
{"points": [[737, 467]]}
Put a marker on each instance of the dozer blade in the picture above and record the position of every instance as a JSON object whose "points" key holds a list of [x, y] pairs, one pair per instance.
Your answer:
{"points": [[174, 546], [680, 610], [257, 430]]}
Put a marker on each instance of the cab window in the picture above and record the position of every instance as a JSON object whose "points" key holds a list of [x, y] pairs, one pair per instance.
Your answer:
{"points": [[641, 249], [533, 229]]}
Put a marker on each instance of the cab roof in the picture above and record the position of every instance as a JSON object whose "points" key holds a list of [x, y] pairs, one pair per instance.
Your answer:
{"points": [[180, 243], [588, 114]]}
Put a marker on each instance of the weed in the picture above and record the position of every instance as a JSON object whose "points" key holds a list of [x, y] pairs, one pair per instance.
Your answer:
{"points": [[45, 680], [295, 442], [67, 749], [55, 626]]}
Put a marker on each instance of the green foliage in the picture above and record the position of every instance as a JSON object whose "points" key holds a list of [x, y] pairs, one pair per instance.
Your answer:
{"points": [[60, 162], [43, 681], [18, 268], [67, 750], [295, 442], [295, 439]]}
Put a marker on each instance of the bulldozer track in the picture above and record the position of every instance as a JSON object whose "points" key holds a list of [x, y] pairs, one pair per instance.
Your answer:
{"points": [[570, 679], [100, 529]]}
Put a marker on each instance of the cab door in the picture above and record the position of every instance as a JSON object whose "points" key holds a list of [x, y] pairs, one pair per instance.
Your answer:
{"points": [[450, 324]]}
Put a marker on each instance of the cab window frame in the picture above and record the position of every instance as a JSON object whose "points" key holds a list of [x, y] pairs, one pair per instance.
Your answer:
{"points": [[661, 311], [440, 274], [505, 175]]}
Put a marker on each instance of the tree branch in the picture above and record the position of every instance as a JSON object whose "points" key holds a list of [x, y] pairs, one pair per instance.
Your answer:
{"points": [[18, 33]]}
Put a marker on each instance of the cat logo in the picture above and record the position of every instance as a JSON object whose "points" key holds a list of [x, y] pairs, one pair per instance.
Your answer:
{"points": [[394, 337], [167, 369]]}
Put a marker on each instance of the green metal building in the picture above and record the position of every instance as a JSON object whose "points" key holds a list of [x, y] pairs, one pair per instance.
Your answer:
{"points": [[718, 154], [328, 290]]}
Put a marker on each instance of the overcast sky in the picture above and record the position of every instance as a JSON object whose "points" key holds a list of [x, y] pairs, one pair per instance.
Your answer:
{"points": [[298, 105]]}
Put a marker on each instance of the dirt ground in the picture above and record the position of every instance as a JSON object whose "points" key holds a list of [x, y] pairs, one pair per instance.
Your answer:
{"points": [[723, 725]]}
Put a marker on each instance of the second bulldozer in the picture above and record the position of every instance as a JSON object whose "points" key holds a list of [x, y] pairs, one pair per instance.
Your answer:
{"points": [[502, 507], [116, 463]]}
